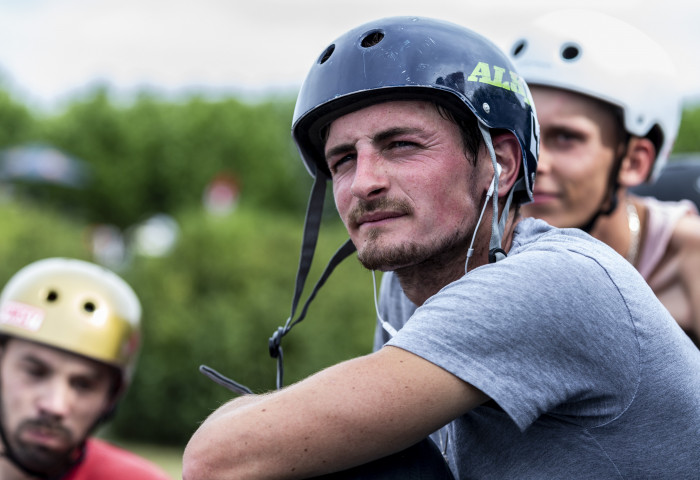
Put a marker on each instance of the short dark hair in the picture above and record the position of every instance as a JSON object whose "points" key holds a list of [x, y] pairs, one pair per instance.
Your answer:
{"points": [[468, 127]]}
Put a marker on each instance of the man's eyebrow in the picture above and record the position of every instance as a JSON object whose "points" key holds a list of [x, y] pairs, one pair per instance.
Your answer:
{"points": [[33, 360], [392, 132], [338, 149], [379, 137]]}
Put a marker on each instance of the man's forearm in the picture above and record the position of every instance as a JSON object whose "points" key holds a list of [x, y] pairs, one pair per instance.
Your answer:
{"points": [[232, 405]]}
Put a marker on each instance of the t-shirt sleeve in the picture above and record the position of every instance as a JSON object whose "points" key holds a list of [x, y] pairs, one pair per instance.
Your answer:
{"points": [[535, 332]]}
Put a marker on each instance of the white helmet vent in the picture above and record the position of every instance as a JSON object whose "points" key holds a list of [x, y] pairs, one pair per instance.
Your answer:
{"points": [[52, 296], [570, 52], [518, 48]]}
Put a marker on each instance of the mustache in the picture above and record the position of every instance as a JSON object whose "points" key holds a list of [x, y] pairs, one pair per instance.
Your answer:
{"points": [[364, 207], [46, 425]]}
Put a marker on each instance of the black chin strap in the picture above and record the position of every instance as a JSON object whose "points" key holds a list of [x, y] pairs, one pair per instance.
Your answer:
{"points": [[613, 188], [312, 225], [588, 226]]}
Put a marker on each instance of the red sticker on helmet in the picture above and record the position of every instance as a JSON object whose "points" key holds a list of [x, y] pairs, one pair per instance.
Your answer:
{"points": [[21, 315]]}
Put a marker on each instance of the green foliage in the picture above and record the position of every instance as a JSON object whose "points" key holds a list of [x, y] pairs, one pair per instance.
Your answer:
{"points": [[228, 285], [31, 232], [688, 139], [216, 300], [156, 156], [17, 124]]}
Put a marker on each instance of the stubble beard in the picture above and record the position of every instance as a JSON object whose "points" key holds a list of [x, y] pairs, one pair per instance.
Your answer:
{"points": [[434, 256], [37, 457]]}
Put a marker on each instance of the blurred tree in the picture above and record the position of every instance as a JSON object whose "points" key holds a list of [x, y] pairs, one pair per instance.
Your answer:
{"points": [[31, 232], [689, 133], [228, 283], [217, 299], [157, 156], [17, 124]]}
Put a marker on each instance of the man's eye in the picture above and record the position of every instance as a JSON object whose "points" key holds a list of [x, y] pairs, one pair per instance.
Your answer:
{"points": [[34, 371], [83, 384], [565, 136], [338, 163], [402, 143]]}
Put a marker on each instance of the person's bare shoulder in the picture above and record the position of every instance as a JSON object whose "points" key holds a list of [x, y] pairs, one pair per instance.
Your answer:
{"points": [[686, 235], [686, 241]]}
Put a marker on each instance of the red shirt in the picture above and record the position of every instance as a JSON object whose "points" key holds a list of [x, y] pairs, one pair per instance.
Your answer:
{"points": [[103, 461]]}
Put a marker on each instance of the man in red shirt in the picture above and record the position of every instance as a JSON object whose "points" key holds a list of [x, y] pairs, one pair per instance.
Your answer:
{"points": [[69, 338]]}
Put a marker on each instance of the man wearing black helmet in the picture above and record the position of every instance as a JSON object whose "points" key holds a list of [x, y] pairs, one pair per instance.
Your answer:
{"points": [[430, 140]]}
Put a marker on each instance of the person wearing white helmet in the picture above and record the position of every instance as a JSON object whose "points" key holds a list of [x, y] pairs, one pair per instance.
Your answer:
{"points": [[609, 109], [69, 339], [542, 350]]}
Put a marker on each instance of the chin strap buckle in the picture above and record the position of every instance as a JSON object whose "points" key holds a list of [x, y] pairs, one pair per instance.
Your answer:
{"points": [[496, 255]]}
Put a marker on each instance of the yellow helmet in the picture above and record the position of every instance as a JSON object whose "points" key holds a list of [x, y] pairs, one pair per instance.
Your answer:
{"points": [[75, 306]]}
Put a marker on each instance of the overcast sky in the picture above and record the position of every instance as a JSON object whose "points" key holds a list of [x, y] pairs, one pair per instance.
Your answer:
{"points": [[53, 49]]}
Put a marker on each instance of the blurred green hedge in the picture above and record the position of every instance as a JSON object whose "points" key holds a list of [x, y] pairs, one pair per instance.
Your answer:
{"points": [[228, 284], [215, 300], [153, 155]]}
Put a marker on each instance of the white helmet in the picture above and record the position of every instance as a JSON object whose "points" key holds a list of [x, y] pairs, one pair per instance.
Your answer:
{"points": [[600, 56]]}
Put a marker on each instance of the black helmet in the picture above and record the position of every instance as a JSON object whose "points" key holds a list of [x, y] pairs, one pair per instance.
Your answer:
{"points": [[402, 58], [407, 58]]}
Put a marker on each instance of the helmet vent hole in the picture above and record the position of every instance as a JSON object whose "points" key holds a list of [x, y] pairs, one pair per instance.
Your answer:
{"points": [[371, 39], [519, 47], [89, 307], [326, 54], [570, 52], [52, 296]]}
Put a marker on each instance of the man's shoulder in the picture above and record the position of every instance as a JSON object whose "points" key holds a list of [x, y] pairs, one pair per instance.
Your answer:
{"points": [[106, 461], [563, 258], [536, 234]]}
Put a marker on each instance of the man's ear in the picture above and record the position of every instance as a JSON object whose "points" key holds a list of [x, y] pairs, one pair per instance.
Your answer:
{"points": [[638, 162], [507, 149]]}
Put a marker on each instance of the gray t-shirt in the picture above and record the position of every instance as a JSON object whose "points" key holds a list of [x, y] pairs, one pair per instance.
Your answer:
{"points": [[589, 375]]}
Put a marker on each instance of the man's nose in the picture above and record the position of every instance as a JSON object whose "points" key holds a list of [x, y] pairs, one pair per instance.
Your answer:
{"points": [[370, 177], [544, 160], [55, 399]]}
